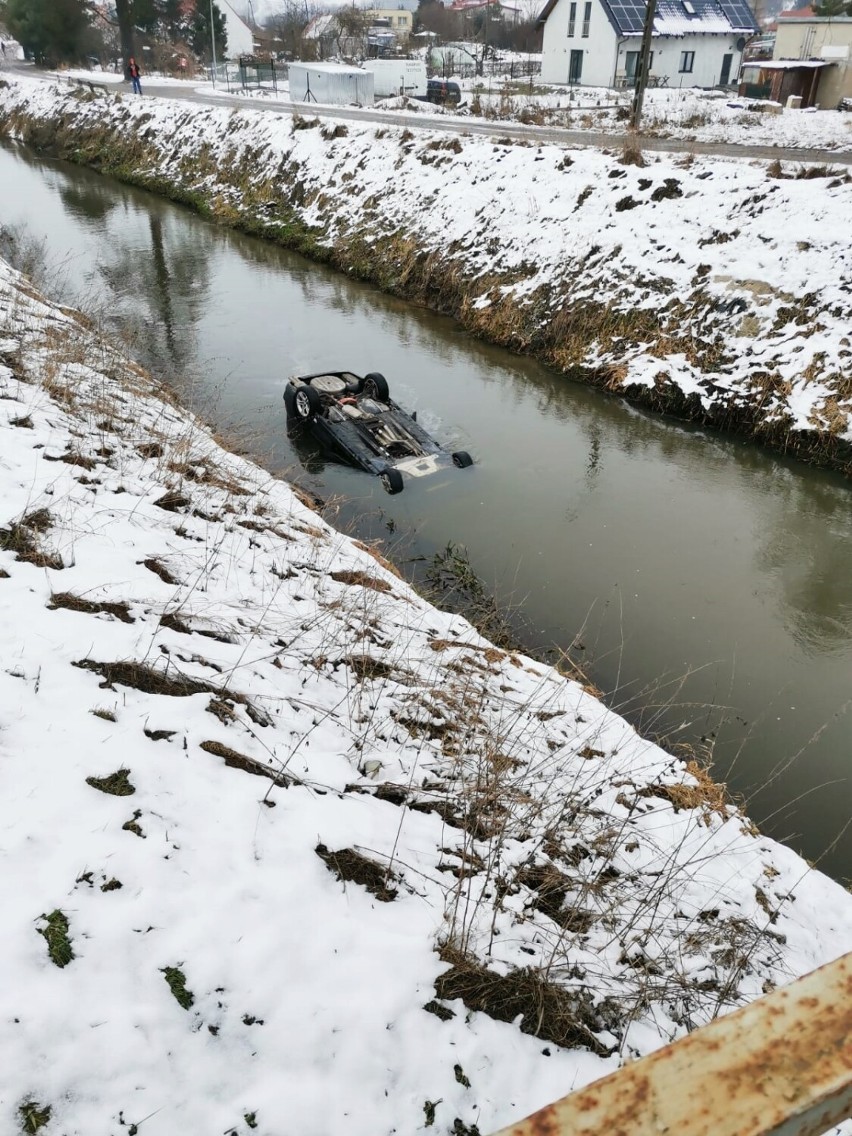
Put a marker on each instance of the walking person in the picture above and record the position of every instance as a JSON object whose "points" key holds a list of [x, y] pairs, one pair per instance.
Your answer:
{"points": [[134, 72]]}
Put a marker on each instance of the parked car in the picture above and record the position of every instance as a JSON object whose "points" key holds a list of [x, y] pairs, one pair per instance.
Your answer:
{"points": [[443, 91], [356, 419]]}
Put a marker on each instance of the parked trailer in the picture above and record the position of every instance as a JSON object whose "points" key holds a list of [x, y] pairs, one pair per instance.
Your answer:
{"points": [[330, 83], [397, 77]]}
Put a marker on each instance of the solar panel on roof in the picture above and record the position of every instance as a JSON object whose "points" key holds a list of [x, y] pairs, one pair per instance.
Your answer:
{"points": [[628, 16], [739, 14]]}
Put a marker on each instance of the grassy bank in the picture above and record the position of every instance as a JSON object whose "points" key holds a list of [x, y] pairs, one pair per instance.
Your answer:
{"points": [[762, 358]]}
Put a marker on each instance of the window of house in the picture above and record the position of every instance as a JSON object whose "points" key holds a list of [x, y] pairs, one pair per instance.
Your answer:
{"points": [[687, 58], [631, 67], [572, 19], [587, 19]]}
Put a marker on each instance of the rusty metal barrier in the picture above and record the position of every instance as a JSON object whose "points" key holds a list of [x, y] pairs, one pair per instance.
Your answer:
{"points": [[780, 1067]]}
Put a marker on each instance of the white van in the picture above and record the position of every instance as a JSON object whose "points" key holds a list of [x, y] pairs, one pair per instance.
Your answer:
{"points": [[397, 77]]}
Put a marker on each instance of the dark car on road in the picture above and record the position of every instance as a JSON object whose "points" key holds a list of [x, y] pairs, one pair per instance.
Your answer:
{"points": [[443, 91], [355, 419]]}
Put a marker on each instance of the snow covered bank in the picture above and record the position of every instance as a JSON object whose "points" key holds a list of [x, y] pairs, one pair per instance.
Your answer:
{"points": [[717, 290], [283, 847]]}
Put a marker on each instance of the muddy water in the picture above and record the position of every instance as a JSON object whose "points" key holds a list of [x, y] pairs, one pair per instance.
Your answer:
{"points": [[705, 586]]}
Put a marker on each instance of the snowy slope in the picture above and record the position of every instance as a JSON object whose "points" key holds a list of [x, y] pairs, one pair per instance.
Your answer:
{"points": [[253, 787], [717, 288]]}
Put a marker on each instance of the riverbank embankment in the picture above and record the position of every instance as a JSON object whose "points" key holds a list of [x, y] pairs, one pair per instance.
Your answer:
{"points": [[715, 290], [287, 847]]}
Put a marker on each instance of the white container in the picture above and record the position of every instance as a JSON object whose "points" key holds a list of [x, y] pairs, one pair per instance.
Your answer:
{"points": [[794, 102], [397, 77], [330, 83]]}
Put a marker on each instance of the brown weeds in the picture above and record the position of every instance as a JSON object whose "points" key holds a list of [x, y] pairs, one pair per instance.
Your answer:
{"points": [[351, 866], [547, 1011], [236, 760], [76, 603]]}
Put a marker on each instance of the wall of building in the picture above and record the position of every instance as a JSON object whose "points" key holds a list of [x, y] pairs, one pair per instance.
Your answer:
{"points": [[820, 39], [240, 35], [401, 21], [599, 48], [330, 83], [709, 52]]}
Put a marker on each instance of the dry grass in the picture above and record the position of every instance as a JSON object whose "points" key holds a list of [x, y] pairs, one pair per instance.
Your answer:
{"points": [[551, 888], [159, 569], [631, 154], [546, 1010], [352, 867], [360, 579], [21, 537], [378, 557], [708, 795], [366, 667], [71, 602], [236, 760]]}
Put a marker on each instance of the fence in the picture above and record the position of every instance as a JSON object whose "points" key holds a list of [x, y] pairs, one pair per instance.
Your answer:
{"points": [[452, 67], [780, 1067]]}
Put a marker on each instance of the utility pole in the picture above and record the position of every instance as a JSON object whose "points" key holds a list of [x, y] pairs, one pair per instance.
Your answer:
{"points": [[213, 41], [644, 57]]}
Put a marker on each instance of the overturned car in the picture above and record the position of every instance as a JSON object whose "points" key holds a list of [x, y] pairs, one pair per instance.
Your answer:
{"points": [[355, 419]]}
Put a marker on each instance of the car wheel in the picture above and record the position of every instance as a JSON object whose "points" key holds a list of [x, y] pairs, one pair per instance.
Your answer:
{"points": [[376, 386], [391, 480], [306, 403], [462, 459]]}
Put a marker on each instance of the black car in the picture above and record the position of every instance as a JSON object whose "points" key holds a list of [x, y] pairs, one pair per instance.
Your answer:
{"points": [[356, 419], [443, 91]]}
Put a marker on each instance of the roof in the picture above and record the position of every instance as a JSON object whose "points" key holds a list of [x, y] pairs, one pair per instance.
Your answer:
{"points": [[788, 64], [675, 17], [806, 13], [319, 26], [330, 68]]}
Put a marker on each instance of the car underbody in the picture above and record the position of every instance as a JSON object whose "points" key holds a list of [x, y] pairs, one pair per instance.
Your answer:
{"points": [[356, 419]]}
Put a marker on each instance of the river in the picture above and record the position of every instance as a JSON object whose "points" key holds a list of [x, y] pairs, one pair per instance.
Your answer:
{"points": [[704, 585]]}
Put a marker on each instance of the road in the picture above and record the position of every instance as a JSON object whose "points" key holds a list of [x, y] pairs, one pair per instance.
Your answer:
{"points": [[491, 129]]}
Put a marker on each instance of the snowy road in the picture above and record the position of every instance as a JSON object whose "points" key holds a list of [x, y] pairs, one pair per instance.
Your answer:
{"points": [[494, 129]]}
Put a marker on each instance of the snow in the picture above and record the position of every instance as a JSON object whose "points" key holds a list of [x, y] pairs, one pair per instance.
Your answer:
{"points": [[320, 671]]}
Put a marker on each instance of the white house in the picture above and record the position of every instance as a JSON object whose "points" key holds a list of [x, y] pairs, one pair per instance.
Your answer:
{"points": [[696, 43], [240, 35]]}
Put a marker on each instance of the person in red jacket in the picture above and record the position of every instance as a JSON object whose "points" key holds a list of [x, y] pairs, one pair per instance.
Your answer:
{"points": [[134, 73]]}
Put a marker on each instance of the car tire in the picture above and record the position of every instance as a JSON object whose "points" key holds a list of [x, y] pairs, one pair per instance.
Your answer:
{"points": [[376, 386], [306, 403], [391, 480], [462, 459]]}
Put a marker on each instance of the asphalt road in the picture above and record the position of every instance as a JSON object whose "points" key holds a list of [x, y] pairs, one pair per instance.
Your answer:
{"points": [[450, 125]]}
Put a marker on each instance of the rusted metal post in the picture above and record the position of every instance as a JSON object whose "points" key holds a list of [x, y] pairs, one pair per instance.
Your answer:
{"points": [[780, 1067]]}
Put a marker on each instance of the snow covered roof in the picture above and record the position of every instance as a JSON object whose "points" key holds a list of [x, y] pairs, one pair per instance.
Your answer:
{"points": [[676, 17], [682, 17], [329, 68], [319, 26], [788, 64]]}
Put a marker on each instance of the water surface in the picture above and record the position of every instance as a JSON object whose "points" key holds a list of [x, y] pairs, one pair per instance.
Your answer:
{"points": [[704, 584]]}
